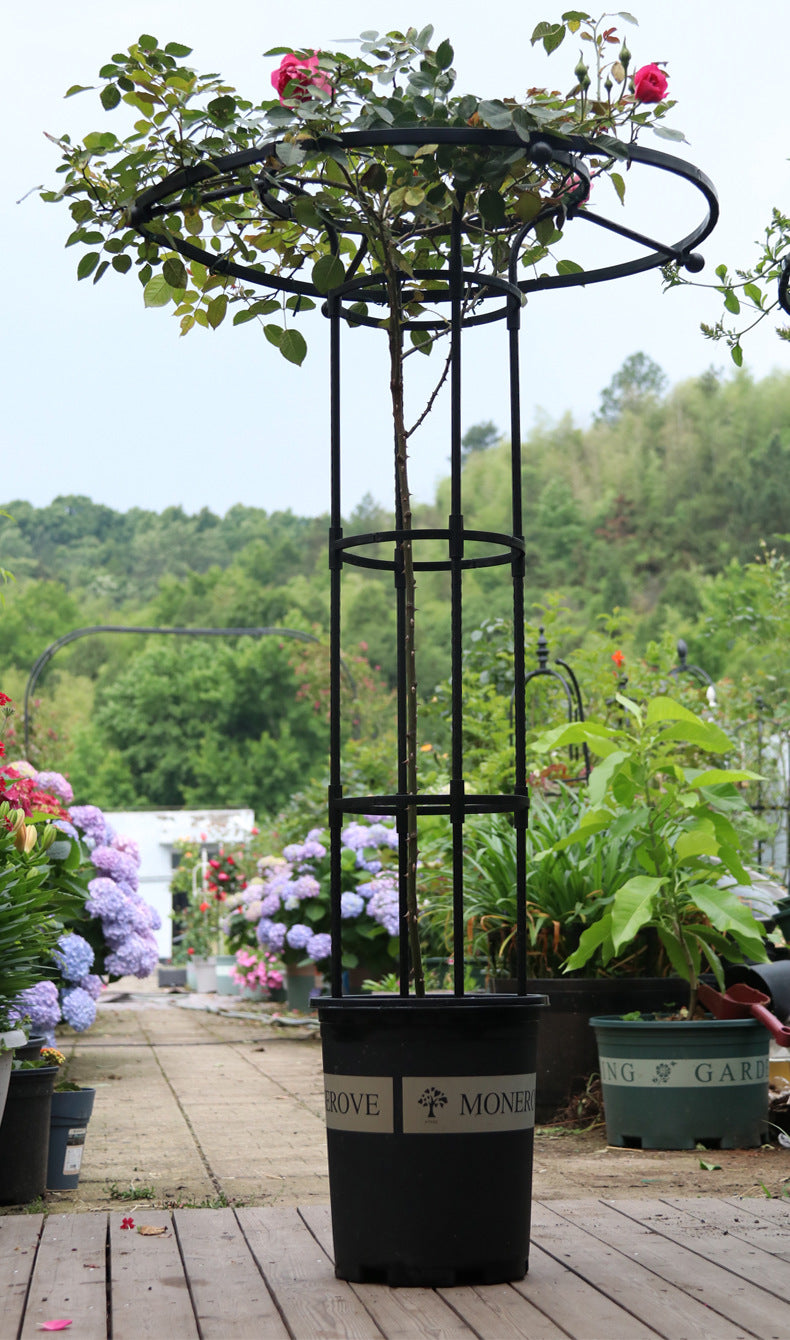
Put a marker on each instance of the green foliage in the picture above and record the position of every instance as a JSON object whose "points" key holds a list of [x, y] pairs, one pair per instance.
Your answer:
{"points": [[30, 908], [168, 117], [653, 787], [566, 889]]}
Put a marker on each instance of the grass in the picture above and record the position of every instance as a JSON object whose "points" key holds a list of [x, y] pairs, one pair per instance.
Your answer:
{"points": [[132, 1192]]}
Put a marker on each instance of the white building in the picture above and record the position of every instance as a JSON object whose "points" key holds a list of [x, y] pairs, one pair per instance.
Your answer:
{"points": [[157, 831]]}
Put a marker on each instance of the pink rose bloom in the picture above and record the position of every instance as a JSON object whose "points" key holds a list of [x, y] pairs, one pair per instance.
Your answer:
{"points": [[650, 84], [302, 73]]}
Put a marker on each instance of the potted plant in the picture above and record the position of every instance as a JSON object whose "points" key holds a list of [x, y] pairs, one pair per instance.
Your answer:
{"points": [[374, 188], [72, 1107], [294, 905], [28, 929], [25, 1127], [671, 1084], [567, 888]]}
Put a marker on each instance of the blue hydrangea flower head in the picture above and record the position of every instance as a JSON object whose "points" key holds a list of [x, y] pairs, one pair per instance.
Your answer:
{"points": [[73, 956]]}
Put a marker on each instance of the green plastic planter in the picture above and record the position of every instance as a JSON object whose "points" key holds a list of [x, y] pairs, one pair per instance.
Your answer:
{"points": [[674, 1084]]}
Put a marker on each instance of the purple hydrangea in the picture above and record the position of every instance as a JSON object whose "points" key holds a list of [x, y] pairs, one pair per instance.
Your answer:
{"points": [[79, 1008], [105, 899], [67, 828], [93, 985], [319, 946], [56, 784], [73, 956], [41, 1003], [273, 937], [115, 864], [133, 957], [351, 904], [129, 846], [298, 935], [263, 930], [306, 886], [383, 905], [90, 820], [270, 904]]}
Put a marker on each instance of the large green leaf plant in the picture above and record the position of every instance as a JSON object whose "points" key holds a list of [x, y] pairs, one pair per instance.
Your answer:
{"points": [[654, 785]]}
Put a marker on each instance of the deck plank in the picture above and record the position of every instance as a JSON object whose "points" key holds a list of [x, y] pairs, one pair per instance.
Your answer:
{"points": [[498, 1310], [19, 1237], [775, 1211], [150, 1294], [69, 1276], [636, 1229], [580, 1308], [567, 1231], [734, 1238], [763, 1223], [301, 1278], [401, 1314], [229, 1294]]}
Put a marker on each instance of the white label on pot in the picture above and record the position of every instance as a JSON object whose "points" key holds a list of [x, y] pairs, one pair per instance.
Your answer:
{"points": [[690, 1072], [359, 1103], [72, 1161], [474, 1104]]}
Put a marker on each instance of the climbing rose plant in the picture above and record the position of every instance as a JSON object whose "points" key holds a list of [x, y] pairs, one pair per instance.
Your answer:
{"points": [[312, 189]]}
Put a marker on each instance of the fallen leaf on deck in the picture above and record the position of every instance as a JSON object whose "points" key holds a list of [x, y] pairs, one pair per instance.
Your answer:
{"points": [[151, 1230]]}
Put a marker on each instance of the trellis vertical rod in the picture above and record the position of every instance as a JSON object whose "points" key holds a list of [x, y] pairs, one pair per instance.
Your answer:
{"points": [[336, 566], [456, 554], [517, 574]]}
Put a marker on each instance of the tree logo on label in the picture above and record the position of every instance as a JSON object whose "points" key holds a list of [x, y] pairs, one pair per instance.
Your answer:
{"points": [[432, 1098]]}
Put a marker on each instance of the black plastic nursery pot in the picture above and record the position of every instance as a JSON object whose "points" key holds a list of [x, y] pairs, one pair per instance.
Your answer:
{"points": [[677, 1084], [71, 1112], [24, 1135], [430, 1114]]}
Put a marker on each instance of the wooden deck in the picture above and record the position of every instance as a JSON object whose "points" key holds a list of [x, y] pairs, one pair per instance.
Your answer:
{"points": [[615, 1270]]}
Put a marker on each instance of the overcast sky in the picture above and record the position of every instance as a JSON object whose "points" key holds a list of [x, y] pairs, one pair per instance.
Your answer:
{"points": [[104, 398]]}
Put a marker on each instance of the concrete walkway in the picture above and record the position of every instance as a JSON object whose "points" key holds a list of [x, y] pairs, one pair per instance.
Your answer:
{"points": [[194, 1107]]}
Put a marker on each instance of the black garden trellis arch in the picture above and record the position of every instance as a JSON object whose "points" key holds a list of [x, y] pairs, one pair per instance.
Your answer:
{"points": [[46, 656], [495, 297]]}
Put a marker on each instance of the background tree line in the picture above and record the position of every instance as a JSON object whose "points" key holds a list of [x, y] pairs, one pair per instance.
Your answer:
{"points": [[641, 528]]}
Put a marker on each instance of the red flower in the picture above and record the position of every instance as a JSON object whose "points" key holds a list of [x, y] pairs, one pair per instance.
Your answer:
{"points": [[4, 699], [190, 951], [204, 907], [128, 1222], [299, 74], [214, 865], [650, 84], [618, 658]]}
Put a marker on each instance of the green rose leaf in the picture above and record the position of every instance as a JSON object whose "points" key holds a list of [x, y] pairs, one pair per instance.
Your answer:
{"points": [[157, 292], [110, 97], [175, 273], [293, 347], [444, 55], [492, 207], [88, 264], [328, 273], [216, 309]]}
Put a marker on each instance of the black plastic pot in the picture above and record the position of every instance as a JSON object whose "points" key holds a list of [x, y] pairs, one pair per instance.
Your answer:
{"points": [[772, 978], [430, 1109], [24, 1135], [30, 1050], [567, 1054], [71, 1112]]}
